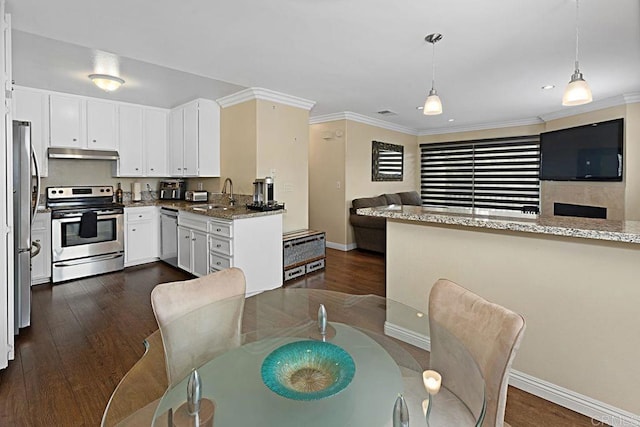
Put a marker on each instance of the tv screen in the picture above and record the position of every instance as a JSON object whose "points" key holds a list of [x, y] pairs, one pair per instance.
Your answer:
{"points": [[585, 153]]}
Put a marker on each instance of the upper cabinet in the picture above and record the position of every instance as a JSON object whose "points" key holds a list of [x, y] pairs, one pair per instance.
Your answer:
{"points": [[33, 106], [79, 123], [101, 125], [66, 115], [142, 141], [194, 146]]}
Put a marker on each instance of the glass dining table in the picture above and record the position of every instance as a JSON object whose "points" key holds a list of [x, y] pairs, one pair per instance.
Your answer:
{"points": [[278, 366]]}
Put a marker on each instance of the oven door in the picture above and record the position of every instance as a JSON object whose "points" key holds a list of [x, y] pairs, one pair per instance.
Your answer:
{"points": [[67, 244]]}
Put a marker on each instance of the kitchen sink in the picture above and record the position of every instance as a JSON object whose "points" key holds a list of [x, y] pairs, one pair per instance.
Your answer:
{"points": [[210, 207]]}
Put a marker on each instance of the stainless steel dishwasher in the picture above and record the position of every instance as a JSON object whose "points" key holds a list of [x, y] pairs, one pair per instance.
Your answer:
{"points": [[169, 236]]}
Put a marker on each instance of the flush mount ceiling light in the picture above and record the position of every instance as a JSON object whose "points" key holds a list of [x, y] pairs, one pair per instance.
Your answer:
{"points": [[106, 82], [577, 92], [433, 105]]}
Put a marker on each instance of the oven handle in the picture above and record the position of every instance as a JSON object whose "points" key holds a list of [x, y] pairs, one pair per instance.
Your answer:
{"points": [[76, 218], [88, 260]]}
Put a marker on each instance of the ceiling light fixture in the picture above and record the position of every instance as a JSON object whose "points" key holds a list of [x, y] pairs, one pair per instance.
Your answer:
{"points": [[577, 92], [106, 82], [433, 105]]}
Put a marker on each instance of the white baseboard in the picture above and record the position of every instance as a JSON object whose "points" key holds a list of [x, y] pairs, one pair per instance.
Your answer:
{"points": [[601, 413], [341, 247]]}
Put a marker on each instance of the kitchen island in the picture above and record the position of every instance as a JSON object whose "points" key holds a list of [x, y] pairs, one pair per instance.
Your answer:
{"points": [[576, 281]]}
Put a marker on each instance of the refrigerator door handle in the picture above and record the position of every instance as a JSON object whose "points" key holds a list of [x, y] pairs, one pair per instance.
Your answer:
{"points": [[37, 171], [37, 246]]}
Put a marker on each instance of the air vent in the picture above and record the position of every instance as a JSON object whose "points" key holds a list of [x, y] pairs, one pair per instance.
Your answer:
{"points": [[387, 113]]}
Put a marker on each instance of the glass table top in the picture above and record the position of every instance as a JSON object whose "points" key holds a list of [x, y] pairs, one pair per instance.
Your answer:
{"points": [[230, 364]]}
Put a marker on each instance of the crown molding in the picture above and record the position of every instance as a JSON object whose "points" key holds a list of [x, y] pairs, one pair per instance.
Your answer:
{"points": [[482, 126], [355, 117], [601, 104], [252, 93]]}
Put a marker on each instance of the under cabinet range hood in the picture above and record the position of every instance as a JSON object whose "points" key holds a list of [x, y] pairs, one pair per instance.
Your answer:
{"points": [[78, 153]]}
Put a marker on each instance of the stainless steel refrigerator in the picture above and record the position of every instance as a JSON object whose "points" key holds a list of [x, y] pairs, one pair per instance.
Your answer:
{"points": [[25, 174]]}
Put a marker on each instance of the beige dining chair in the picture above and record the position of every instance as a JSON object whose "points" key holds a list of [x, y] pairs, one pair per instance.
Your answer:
{"points": [[491, 334], [193, 328]]}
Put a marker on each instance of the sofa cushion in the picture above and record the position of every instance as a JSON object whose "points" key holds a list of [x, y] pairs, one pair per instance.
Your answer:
{"points": [[364, 221], [369, 202], [393, 199], [410, 198]]}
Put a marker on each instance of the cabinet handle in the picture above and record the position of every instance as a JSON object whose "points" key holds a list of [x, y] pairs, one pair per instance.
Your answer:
{"points": [[152, 169], [139, 216], [179, 169], [38, 240], [193, 240], [75, 139], [218, 230], [94, 140], [218, 245], [136, 168], [133, 229], [186, 237], [218, 263]]}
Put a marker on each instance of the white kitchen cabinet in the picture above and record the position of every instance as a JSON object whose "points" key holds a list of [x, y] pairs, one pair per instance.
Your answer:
{"points": [[253, 244], [142, 231], [192, 244], [130, 148], [155, 142], [194, 145], [101, 125], [41, 263], [33, 106], [66, 116]]}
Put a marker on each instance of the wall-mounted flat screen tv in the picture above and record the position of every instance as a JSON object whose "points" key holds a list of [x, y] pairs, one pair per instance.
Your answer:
{"points": [[584, 153]]}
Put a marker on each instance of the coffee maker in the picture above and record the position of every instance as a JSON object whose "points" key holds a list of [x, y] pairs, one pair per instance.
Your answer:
{"points": [[263, 191], [264, 196], [172, 189]]}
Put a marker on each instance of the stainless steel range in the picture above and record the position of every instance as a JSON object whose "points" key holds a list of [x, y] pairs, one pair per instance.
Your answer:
{"points": [[87, 231]]}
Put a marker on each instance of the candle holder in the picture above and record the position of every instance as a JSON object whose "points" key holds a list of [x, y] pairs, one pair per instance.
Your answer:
{"points": [[400, 412], [432, 381]]}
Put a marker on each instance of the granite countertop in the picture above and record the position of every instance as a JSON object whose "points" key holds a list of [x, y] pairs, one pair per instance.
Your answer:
{"points": [[588, 228], [239, 211]]}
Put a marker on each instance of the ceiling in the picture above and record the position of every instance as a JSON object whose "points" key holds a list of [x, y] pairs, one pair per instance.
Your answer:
{"points": [[363, 56]]}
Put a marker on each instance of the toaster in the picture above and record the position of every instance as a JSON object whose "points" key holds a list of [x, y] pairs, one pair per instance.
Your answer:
{"points": [[196, 196]]}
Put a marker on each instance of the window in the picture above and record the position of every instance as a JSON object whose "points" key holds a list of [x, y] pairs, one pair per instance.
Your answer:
{"points": [[485, 174], [386, 161]]}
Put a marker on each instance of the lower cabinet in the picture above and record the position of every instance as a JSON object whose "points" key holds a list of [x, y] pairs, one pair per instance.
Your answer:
{"points": [[141, 235], [41, 235], [253, 244]]}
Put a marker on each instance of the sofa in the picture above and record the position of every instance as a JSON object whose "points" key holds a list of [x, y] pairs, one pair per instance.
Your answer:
{"points": [[371, 232]]}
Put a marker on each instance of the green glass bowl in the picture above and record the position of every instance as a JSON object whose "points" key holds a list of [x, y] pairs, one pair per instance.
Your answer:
{"points": [[308, 370]]}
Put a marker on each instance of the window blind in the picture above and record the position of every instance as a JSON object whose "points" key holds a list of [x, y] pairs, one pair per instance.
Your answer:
{"points": [[486, 174]]}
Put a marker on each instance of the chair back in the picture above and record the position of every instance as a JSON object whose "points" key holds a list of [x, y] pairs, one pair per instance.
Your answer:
{"points": [[491, 334], [199, 318]]}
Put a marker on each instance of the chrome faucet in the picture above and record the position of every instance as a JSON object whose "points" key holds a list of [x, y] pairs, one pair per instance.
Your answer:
{"points": [[232, 201]]}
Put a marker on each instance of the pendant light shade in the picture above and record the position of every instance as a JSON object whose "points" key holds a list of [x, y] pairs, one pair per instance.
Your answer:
{"points": [[106, 82], [433, 105], [577, 91]]}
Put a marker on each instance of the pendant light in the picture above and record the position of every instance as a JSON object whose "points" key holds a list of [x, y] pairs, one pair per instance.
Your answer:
{"points": [[433, 105], [106, 82], [577, 91]]}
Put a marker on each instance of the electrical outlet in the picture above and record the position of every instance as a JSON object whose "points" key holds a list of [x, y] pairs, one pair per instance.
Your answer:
{"points": [[338, 184]]}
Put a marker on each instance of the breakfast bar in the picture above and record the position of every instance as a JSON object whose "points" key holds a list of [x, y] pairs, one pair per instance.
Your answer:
{"points": [[575, 281]]}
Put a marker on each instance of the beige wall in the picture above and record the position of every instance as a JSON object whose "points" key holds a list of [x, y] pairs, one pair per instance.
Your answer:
{"points": [[327, 147], [238, 154], [483, 134], [283, 147], [346, 159], [258, 137], [579, 298], [632, 162]]}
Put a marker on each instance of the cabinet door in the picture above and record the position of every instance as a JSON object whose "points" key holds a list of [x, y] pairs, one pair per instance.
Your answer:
{"points": [[184, 248], [176, 143], [139, 241], [40, 268], [155, 142], [208, 138], [199, 253], [32, 106], [101, 125], [130, 136], [191, 139], [65, 115]]}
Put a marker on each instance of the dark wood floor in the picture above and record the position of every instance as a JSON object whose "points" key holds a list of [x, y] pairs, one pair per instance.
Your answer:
{"points": [[86, 334]]}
